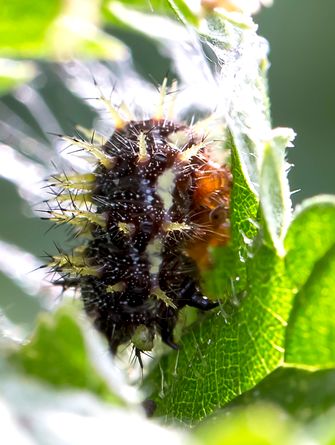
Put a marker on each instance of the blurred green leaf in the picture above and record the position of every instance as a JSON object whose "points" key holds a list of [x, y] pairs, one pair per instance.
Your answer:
{"points": [[184, 12], [265, 423], [322, 430], [33, 412], [310, 236], [116, 12], [259, 424], [24, 26], [53, 390], [57, 30], [310, 338], [57, 354]]}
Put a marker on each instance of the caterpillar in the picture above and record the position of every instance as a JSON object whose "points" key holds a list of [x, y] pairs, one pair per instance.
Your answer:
{"points": [[145, 217]]}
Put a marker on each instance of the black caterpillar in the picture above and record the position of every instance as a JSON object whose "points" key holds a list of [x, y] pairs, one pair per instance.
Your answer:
{"points": [[147, 214]]}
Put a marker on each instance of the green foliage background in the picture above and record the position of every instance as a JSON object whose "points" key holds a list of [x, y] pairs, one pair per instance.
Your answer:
{"points": [[269, 353], [301, 87]]}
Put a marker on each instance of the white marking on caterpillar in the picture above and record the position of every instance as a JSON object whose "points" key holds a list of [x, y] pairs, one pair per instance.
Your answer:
{"points": [[165, 187]]}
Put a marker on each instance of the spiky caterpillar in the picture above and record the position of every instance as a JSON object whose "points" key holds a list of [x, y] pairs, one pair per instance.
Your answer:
{"points": [[147, 213]]}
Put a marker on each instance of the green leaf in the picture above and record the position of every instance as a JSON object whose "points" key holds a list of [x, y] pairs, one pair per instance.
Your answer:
{"points": [[24, 26], [261, 150], [265, 423], [301, 393], [230, 352], [310, 236], [245, 205], [184, 12], [259, 424], [311, 330], [310, 338], [60, 387], [35, 413], [222, 357], [120, 12], [58, 355], [274, 187], [227, 277], [243, 90], [56, 29], [322, 429]]}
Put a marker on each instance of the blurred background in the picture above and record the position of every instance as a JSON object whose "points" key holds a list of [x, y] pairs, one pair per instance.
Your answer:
{"points": [[302, 89], [301, 37]]}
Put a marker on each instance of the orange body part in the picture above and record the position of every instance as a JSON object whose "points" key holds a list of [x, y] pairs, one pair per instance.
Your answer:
{"points": [[210, 212]]}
